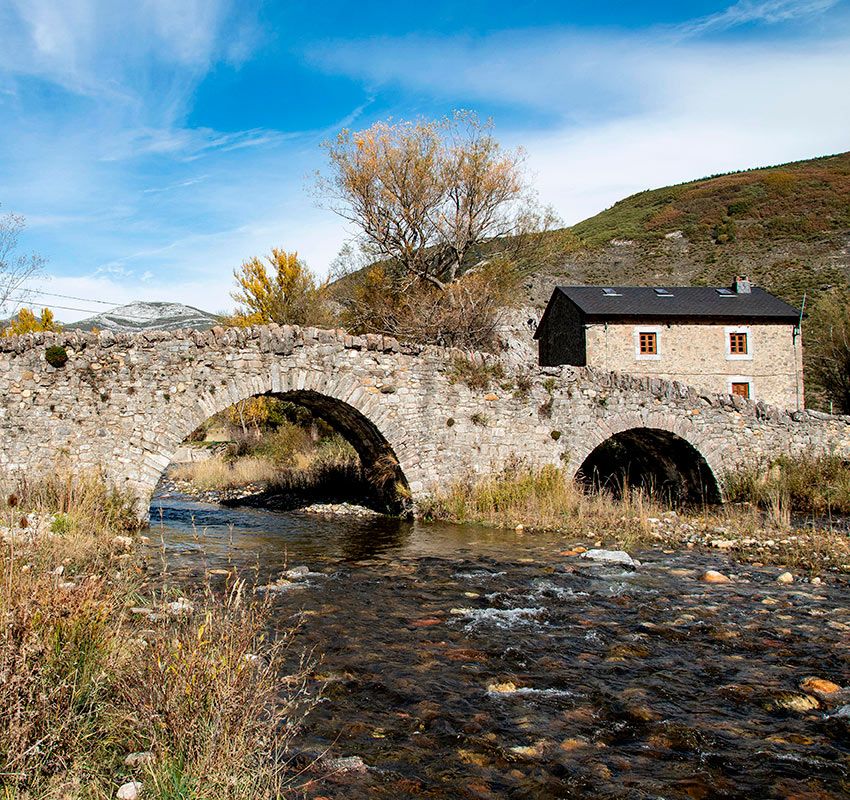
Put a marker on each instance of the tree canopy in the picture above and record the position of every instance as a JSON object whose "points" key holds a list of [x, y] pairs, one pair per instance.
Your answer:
{"points": [[279, 289], [27, 322]]}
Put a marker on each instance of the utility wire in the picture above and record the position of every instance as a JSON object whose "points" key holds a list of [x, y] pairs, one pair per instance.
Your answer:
{"points": [[28, 292], [64, 308]]}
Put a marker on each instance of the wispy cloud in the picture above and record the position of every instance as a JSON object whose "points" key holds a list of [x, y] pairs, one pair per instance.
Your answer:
{"points": [[747, 12]]}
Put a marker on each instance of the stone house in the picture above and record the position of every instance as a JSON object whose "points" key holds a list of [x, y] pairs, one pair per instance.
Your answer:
{"points": [[738, 340]]}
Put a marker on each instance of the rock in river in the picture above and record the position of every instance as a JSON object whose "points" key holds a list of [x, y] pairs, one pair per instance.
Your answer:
{"points": [[713, 576], [611, 557]]}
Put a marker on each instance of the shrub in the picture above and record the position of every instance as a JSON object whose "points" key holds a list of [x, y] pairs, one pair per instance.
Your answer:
{"points": [[476, 373], [814, 484], [56, 356]]}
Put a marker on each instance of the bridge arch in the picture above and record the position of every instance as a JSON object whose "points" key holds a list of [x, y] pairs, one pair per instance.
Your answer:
{"points": [[667, 457], [353, 410]]}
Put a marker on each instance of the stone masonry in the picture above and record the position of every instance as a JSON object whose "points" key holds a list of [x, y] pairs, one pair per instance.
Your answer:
{"points": [[697, 354], [123, 403]]}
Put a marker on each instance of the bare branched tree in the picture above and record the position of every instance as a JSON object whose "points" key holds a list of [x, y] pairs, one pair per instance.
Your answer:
{"points": [[427, 195], [16, 269]]}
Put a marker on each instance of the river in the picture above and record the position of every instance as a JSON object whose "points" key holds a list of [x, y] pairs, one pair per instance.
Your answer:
{"points": [[468, 662]]}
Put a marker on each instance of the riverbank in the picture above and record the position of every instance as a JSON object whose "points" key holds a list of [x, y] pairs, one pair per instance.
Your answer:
{"points": [[115, 679], [763, 530]]}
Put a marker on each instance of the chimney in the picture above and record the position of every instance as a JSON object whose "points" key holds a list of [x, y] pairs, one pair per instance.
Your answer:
{"points": [[742, 285]]}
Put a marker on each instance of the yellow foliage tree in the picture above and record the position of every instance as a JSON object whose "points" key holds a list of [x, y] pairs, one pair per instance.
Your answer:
{"points": [[27, 322], [280, 288]]}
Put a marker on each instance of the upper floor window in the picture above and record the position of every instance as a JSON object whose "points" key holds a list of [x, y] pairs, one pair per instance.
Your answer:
{"points": [[738, 344], [648, 343]]}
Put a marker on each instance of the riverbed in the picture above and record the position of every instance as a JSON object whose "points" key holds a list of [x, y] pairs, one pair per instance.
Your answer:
{"points": [[468, 662]]}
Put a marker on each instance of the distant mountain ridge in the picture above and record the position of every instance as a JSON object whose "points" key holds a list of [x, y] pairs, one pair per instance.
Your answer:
{"points": [[148, 316]]}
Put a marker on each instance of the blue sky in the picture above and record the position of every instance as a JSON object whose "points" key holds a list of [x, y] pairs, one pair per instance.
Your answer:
{"points": [[154, 145]]}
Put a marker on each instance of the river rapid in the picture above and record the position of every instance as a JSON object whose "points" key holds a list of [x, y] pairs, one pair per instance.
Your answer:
{"points": [[468, 662]]}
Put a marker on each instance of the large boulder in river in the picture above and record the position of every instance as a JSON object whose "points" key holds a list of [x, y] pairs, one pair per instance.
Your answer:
{"points": [[611, 557]]}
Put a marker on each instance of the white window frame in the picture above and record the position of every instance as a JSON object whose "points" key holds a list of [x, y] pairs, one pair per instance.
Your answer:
{"points": [[730, 356], [638, 330], [741, 379]]}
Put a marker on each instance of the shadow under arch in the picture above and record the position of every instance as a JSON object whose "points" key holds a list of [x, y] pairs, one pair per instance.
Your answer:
{"points": [[657, 461], [380, 463], [384, 486]]}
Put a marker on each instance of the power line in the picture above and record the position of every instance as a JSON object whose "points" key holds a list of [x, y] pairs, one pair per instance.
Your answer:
{"points": [[64, 308], [28, 292]]}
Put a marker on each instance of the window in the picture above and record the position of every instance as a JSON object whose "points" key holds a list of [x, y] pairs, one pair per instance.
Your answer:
{"points": [[663, 293], [741, 388], [648, 343], [738, 344]]}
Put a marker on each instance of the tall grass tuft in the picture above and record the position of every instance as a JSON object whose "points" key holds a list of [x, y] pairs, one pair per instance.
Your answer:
{"points": [[86, 680], [544, 498], [804, 483]]}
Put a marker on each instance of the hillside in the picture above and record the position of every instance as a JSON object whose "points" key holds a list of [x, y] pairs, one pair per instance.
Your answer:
{"points": [[788, 227], [155, 316]]}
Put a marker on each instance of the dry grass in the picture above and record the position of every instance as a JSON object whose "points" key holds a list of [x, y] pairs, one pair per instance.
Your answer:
{"points": [[279, 461], [802, 483], [543, 499], [84, 681], [218, 473]]}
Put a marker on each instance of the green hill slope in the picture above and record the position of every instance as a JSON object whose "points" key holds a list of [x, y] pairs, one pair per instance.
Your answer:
{"points": [[788, 227]]}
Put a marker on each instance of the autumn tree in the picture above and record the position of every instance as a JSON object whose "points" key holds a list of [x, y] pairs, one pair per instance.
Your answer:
{"points": [[27, 322], [16, 268], [280, 288], [432, 202], [828, 348]]}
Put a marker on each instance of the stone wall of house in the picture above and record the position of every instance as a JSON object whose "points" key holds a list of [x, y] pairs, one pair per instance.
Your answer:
{"points": [[698, 355], [123, 403]]}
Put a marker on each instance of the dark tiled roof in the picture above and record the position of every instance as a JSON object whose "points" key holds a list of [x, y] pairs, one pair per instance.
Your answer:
{"points": [[705, 302]]}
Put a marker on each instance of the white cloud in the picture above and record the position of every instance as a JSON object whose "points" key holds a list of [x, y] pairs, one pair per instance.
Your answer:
{"points": [[629, 111], [746, 12]]}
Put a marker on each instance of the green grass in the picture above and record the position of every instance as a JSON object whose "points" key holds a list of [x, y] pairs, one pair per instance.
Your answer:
{"points": [[800, 201]]}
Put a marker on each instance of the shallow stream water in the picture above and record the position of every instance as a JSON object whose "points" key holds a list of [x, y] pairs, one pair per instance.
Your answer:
{"points": [[467, 662]]}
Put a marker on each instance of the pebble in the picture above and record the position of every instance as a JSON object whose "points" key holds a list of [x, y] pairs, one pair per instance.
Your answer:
{"points": [[180, 607], [785, 577], [819, 686], [297, 572], [346, 764], [502, 688], [713, 576], [134, 759], [129, 791]]}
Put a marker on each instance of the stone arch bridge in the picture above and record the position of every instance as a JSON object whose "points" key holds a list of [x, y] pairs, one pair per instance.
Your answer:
{"points": [[122, 403]]}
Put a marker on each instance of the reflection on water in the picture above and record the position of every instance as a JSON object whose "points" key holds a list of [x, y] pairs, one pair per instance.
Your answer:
{"points": [[463, 662]]}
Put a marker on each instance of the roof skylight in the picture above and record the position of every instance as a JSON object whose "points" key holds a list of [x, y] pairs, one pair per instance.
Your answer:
{"points": [[663, 292]]}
